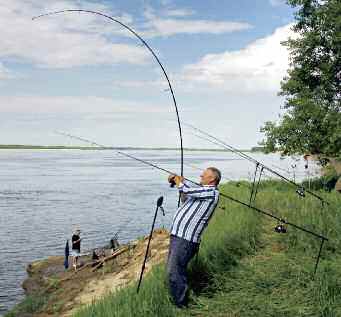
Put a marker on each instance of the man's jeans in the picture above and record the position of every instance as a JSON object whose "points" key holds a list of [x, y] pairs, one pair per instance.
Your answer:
{"points": [[180, 253]]}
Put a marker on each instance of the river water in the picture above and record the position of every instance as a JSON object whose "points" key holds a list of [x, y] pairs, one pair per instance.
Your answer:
{"points": [[45, 194]]}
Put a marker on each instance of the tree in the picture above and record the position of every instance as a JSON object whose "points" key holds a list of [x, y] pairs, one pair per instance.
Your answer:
{"points": [[312, 89]]}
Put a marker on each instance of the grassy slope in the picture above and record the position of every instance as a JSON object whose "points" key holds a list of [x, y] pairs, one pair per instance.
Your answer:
{"points": [[245, 269]]}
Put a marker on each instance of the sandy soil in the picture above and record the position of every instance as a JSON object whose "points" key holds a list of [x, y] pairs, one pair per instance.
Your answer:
{"points": [[69, 290]]}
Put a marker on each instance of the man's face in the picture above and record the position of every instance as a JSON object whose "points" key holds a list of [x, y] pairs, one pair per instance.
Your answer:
{"points": [[207, 177]]}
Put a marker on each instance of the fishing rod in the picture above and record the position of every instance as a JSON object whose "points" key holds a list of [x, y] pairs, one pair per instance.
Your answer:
{"points": [[220, 145], [280, 220], [139, 37], [231, 149], [224, 195], [79, 138], [99, 145], [300, 189], [196, 183]]}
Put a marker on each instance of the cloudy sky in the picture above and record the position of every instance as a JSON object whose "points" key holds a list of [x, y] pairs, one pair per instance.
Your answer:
{"points": [[82, 74]]}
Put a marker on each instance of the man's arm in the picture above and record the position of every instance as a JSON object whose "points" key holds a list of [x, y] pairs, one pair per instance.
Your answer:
{"points": [[189, 191], [197, 192], [74, 242]]}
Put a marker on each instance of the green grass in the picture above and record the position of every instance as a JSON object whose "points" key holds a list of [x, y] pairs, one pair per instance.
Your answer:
{"points": [[30, 305], [246, 269]]}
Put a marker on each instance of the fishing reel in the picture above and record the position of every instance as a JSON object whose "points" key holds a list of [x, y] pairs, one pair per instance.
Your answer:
{"points": [[281, 227], [300, 192], [159, 204]]}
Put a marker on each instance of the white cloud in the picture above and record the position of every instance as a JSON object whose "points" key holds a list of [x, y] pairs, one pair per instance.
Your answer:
{"points": [[42, 104], [143, 84], [4, 72], [161, 26], [260, 66], [69, 40], [179, 12], [71, 104], [62, 41], [276, 3], [32, 120]]}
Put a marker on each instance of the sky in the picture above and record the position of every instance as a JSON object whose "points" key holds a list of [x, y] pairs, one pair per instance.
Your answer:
{"points": [[82, 74]]}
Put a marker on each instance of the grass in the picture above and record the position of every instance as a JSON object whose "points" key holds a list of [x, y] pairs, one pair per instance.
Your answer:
{"points": [[30, 305], [246, 269]]}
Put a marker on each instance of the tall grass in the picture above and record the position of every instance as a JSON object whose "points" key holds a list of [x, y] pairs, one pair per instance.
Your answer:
{"points": [[245, 269], [307, 212], [224, 243]]}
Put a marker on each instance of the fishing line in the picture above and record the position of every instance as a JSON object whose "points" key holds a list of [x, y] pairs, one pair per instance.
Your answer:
{"points": [[271, 215], [300, 189], [196, 183], [266, 213]]}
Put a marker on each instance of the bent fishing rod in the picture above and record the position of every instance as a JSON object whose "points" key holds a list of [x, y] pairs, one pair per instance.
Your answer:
{"points": [[139, 37], [212, 139], [268, 214]]}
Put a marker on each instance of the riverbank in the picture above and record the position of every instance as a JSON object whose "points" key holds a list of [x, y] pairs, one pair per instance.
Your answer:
{"points": [[53, 291], [243, 269]]}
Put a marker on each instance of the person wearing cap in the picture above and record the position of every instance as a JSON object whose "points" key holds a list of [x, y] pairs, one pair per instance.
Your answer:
{"points": [[189, 222], [76, 247]]}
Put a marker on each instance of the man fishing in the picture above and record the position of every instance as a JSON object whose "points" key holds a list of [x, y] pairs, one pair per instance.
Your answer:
{"points": [[189, 222], [76, 247]]}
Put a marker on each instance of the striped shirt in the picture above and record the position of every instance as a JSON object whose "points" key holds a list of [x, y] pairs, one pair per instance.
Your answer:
{"points": [[193, 215]]}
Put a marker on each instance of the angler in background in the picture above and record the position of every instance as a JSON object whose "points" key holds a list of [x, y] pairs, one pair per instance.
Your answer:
{"points": [[76, 247], [189, 222], [114, 244]]}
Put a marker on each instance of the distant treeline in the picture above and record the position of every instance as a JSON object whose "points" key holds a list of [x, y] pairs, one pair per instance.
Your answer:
{"points": [[61, 147]]}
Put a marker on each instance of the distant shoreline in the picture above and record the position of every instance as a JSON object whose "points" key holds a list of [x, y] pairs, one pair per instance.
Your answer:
{"points": [[96, 148]]}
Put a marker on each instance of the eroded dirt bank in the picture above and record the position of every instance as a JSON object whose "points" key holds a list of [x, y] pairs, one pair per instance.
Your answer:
{"points": [[67, 291]]}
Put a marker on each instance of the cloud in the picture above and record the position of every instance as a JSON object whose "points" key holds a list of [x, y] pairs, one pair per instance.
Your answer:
{"points": [[32, 120], [4, 72], [260, 66], [164, 27], [62, 41], [276, 3], [179, 12], [72, 40], [143, 84], [71, 104]]}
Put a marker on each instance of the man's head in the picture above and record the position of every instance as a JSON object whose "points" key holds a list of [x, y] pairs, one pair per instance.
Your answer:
{"points": [[210, 176]]}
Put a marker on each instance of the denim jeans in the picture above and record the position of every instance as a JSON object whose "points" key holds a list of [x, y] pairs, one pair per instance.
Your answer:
{"points": [[180, 253]]}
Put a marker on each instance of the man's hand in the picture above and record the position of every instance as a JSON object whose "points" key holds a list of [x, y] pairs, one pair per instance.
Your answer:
{"points": [[171, 178], [178, 180], [175, 179]]}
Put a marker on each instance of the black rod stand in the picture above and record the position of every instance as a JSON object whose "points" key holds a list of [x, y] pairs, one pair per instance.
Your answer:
{"points": [[159, 206]]}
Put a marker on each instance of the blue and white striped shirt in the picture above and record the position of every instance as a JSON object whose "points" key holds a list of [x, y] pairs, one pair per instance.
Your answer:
{"points": [[193, 215]]}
